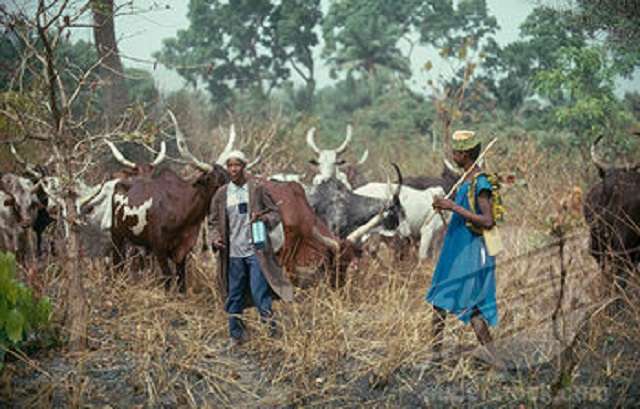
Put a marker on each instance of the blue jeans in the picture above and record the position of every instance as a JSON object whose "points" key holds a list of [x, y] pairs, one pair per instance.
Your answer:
{"points": [[245, 274]]}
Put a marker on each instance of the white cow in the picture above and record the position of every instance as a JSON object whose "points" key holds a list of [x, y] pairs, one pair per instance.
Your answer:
{"points": [[329, 161], [417, 205]]}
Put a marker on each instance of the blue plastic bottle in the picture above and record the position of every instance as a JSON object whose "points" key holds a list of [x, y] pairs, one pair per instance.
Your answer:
{"points": [[258, 234]]}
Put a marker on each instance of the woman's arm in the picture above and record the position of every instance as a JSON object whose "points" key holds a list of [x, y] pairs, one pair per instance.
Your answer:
{"points": [[484, 219]]}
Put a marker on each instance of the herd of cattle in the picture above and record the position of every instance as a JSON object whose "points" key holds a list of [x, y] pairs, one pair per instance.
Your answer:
{"points": [[324, 224]]}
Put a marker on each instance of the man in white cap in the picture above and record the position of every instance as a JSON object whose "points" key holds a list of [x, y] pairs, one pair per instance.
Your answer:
{"points": [[247, 270]]}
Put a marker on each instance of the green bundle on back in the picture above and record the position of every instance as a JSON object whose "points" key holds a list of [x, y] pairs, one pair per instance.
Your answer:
{"points": [[20, 311], [497, 209]]}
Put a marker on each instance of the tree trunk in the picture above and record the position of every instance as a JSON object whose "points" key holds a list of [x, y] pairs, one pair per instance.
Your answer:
{"points": [[76, 313], [111, 71]]}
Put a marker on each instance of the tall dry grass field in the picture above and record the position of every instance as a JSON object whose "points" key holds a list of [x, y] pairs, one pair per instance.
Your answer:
{"points": [[367, 344]]}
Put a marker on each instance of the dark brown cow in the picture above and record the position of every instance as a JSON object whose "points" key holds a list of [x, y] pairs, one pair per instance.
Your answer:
{"points": [[446, 180], [310, 249], [163, 213], [612, 211]]}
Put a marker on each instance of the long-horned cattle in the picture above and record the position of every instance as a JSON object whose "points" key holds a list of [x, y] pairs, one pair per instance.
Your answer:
{"points": [[612, 211], [163, 213], [93, 202], [344, 210], [310, 250], [18, 209], [450, 174], [329, 161], [417, 205]]}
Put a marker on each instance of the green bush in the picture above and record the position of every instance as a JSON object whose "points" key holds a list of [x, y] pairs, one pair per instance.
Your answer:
{"points": [[20, 312]]}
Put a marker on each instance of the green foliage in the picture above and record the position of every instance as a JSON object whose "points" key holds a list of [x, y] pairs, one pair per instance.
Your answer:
{"points": [[363, 35], [445, 26], [632, 102], [381, 109], [140, 86], [581, 87], [621, 20], [244, 45], [20, 312], [511, 70]]}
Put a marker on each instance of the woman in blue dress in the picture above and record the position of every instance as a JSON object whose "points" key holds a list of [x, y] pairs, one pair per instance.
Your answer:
{"points": [[464, 282]]}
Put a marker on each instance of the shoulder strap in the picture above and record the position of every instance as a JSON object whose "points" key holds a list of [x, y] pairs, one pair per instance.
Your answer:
{"points": [[471, 195]]}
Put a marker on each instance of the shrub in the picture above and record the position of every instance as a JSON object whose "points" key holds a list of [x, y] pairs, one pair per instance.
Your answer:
{"points": [[20, 312]]}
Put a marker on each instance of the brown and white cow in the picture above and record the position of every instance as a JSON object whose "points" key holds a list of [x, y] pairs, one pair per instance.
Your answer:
{"points": [[18, 209], [163, 213]]}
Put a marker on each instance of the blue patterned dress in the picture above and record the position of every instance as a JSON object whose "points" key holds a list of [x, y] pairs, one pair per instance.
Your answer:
{"points": [[464, 277]]}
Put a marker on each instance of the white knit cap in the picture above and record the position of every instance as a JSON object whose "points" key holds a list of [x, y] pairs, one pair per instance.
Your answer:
{"points": [[236, 154]]}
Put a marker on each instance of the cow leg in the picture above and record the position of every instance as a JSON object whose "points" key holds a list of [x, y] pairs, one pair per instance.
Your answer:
{"points": [[38, 244], [166, 271], [119, 250], [181, 273]]}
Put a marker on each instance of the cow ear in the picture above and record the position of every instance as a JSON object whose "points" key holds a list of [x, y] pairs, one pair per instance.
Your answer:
{"points": [[314, 162], [341, 162]]}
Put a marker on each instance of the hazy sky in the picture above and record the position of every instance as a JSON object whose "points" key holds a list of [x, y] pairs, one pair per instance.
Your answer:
{"points": [[140, 34]]}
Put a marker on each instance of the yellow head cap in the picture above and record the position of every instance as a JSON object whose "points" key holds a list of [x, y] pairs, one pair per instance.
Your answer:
{"points": [[464, 140]]}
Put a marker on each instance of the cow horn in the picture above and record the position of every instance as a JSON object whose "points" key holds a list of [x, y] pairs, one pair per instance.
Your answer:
{"points": [[184, 150], [451, 168], [364, 157], [92, 195], [355, 235], [261, 149], [118, 155], [601, 165], [161, 155], [399, 183], [229, 146], [29, 167], [327, 241], [347, 139], [310, 140], [254, 162]]}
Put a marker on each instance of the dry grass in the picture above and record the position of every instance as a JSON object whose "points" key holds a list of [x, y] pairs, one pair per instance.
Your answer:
{"points": [[365, 345]]}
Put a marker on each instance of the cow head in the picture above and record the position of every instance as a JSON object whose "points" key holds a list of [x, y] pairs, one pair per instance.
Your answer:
{"points": [[22, 197], [612, 211], [393, 214], [213, 176], [137, 169], [353, 173], [328, 160], [391, 217]]}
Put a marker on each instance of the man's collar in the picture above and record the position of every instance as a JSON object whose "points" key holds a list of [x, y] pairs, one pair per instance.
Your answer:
{"points": [[233, 186]]}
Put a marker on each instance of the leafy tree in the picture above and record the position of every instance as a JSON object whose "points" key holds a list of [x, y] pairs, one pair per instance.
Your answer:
{"points": [[632, 101], [246, 44], [581, 86], [362, 36], [510, 70], [449, 27], [140, 86], [621, 20], [461, 32]]}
